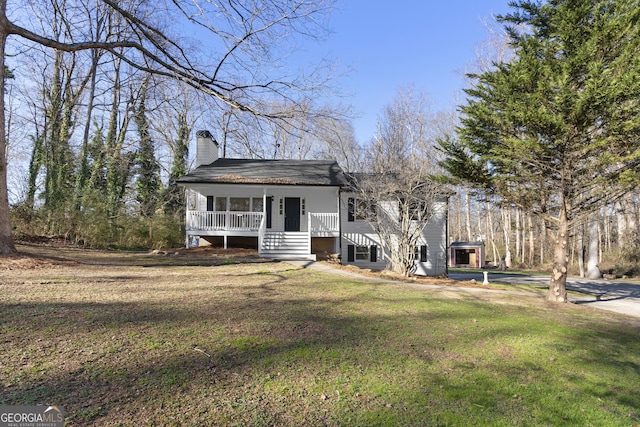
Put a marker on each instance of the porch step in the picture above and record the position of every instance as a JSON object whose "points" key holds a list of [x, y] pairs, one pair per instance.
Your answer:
{"points": [[286, 245]]}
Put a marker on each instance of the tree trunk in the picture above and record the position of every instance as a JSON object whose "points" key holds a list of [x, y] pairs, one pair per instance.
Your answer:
{"points": [[558, 284], [543, 239], [627, 214], [84, 172], [531, 240], [593, 269], [492, 234], [6, 240], [518, 248], [607, 218], [581, 250], [468, 216], [621, 223], [506, 227]]}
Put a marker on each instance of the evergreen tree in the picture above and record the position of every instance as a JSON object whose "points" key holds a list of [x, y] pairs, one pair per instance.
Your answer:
{"points": [[557, 130]]}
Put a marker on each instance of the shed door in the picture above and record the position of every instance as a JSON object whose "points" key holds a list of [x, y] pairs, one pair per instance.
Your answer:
{"points": [[472, 259], [292, 214]]}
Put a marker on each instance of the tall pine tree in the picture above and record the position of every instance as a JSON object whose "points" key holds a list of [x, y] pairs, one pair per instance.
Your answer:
{"points": [[557, 130]]}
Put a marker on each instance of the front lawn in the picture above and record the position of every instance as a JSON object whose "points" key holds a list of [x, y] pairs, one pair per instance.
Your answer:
{"points": [[133, 339]]}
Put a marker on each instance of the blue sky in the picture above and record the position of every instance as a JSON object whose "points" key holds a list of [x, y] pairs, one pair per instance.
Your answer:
{"points": [[388, 45]]}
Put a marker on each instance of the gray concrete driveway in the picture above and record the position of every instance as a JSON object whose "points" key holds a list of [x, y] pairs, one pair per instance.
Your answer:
{"points": [[613, 295]]}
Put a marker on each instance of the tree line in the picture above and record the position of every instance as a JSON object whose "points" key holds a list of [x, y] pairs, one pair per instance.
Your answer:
{"points": [[101, 100], [607, 242]]}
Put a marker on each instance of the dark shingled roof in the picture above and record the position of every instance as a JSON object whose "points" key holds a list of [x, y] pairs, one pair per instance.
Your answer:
{"points": [[257, 171]]}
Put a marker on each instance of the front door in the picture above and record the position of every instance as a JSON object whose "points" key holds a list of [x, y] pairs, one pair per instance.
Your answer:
{"points": [[269, 208], [292, 214]]}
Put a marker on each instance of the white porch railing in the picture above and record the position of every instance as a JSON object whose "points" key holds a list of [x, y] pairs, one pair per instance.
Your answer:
{"points": [[254, 221], [324, 222], [223, 221]]}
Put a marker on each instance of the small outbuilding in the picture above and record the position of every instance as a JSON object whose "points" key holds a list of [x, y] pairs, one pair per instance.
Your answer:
{"points": [[466, 254]]}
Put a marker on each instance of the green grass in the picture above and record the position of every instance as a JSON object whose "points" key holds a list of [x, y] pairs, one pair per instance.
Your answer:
{"points": [[120, 340]]}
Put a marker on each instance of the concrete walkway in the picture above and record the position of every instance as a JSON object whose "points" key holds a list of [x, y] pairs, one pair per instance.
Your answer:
{"points": [[611, 295]]}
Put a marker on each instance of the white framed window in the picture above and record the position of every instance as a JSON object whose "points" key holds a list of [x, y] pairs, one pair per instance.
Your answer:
{"points": [[257, 204], [358, 209], [357, 253], [191, 200], [221, 204], [239, 204], [362, 253]]}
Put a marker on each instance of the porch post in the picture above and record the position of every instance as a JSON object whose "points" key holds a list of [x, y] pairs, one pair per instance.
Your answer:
{"points": [[187, 195], [186, 229], [309, 230], [263, 221], [225, 240]]}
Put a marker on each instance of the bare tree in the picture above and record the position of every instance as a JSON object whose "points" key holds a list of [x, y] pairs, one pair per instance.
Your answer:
{"points": [[398, 206], [240, 67], [336, 140], [398, 196]]}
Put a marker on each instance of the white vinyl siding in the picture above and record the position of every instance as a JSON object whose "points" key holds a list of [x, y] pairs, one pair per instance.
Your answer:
{"points": [[430, 251]]}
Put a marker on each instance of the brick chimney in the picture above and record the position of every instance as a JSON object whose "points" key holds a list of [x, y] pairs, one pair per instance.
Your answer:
{"points": [[206, 148]]}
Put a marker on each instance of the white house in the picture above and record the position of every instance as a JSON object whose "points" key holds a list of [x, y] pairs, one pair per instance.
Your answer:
{"points": [[290, 209]]}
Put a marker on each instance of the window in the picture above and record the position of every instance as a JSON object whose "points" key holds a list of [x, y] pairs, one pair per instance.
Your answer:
{"points": [[191, 200], [416, 209], [358, 209], [239, 204], [257, 204], [351, 209], [362, 209], [362, 253], [423, 253], [209, 203], [420, 253], [221, 204]]}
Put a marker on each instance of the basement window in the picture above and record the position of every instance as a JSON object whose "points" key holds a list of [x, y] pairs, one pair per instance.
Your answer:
{"points": [[362, 253]]}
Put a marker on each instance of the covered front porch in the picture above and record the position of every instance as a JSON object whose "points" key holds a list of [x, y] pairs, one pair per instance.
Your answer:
{"points": [[315, 232]]}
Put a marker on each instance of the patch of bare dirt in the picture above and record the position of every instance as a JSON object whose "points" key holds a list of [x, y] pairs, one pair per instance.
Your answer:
{"points": [[53, 253], [27, 261], [211, 250], [238, 255]]}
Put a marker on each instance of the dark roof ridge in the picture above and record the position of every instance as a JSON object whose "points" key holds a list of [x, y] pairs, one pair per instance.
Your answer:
{"points": [[265, 171]]}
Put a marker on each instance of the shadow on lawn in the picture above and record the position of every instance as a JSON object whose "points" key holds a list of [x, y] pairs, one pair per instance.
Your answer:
{"points": [[131, 361], [181, 257]]}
